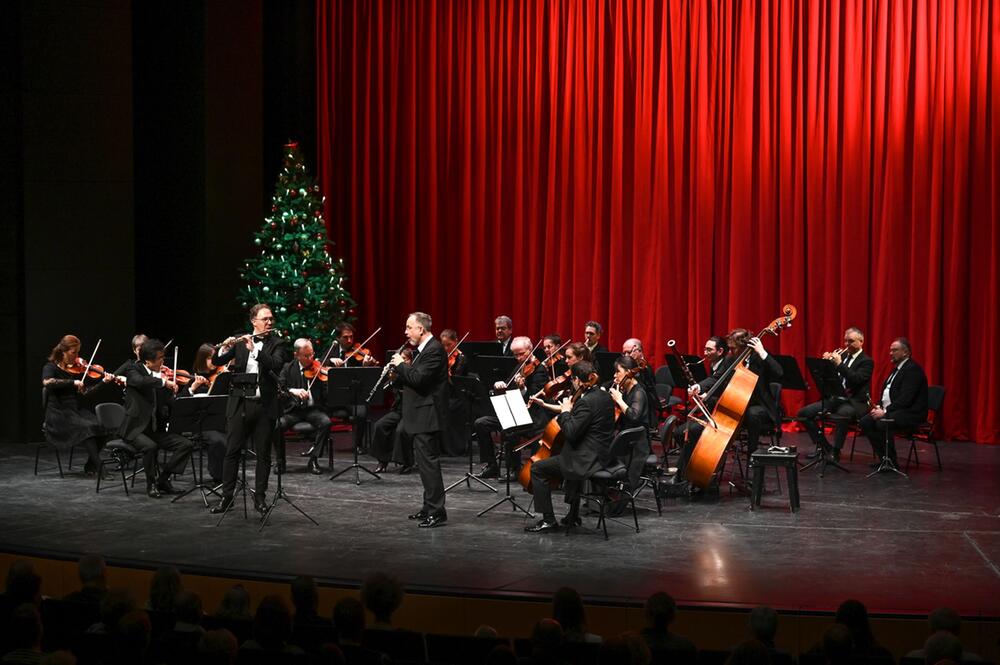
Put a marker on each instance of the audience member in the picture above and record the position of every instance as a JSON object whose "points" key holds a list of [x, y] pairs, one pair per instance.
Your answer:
{"points": [[272, 628], [93, 582], [942, 645], [641, 655], [567, 609], [763, 624], [488, 632], [235, 604], [614, 651], [501, 654], [837, 645], [164, 588], [349, 622], [130, 639], [115, 604], [546, 643], [180, 644], [854, 615], [750, 652], [947, 619], [660, 613], [25, 643], [382, 595], [217, 647], [309, 631]]}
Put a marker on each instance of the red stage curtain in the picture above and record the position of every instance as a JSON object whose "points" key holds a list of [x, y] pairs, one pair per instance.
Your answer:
{"points": [[674, 169]]}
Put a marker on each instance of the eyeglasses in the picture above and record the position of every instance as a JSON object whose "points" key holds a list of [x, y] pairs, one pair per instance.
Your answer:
{"points": [[265, 318]]}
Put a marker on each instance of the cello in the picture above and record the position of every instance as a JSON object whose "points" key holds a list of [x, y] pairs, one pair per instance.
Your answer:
{"points": [[725, 419]]}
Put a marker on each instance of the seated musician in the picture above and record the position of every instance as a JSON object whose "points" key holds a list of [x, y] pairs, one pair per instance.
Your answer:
{"points": [[587, 424], [761, 412], [550, 344], [855, 368], [592, 331], [137, 341], [575, 352], [147, 411], [205, 374], [903, 401], [306, 401], [633, 349], [633, 402], [344, 355], [487, 425], [67, 423], [456, 432], [715, 355], [388, 443]]}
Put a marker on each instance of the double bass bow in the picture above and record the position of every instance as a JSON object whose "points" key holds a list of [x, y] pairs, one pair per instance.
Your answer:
{"points": [[725, 418]]}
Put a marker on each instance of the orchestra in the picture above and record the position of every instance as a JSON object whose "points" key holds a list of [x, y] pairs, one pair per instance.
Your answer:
{"points": [[272, 385]]}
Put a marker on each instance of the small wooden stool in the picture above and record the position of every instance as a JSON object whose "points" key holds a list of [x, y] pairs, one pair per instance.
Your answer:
{"points": [[761, 459]]}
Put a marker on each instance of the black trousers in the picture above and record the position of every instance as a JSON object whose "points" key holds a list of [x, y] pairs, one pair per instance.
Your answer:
{"points": [[150, 443], [315, 417], [388, 442], [485, 427], [639, 455], [880, 433], [541, 473], [215, 442], [427, 451], [249, 422], [846, 412], [358, 415]]}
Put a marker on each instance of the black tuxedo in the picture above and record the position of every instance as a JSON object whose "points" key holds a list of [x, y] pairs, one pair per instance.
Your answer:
{"points": [[588, 430], [856, 379], [424, 390], [600, 348], [503, 348], [907, 407], [252, 418], [485, 426], [297, 411], [147, 411]]}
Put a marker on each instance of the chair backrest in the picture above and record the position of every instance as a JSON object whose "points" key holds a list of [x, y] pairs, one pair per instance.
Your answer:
{"points": [[776, 394], [664, 376], [110, 416], [624, 442], [935, 400], [460, 649], [397, 644]]}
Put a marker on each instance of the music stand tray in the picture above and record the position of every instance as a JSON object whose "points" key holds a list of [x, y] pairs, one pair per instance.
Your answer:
{"points": [[491, 369], [831, 389], [474, 392], [195, 415], [485, 348], [792, 378], [605, 364], [349, 387]]}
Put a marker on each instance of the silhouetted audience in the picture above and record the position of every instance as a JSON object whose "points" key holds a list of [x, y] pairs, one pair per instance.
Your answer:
{"points": [[130, 639], [614, 651], [25, 644], [349, 622], [750, 652], [330, 654], [217, 647], [179, 644], [854, 615], [946, 619], [115, 604], [942, 645], [309, 631], [837, 645], [660, 610], [382, 595], [272, 628], [546, 643], [235, 604], [23, 585], [763, 624], [567, 609], [163, 589], [501, 654], [93, 582]]}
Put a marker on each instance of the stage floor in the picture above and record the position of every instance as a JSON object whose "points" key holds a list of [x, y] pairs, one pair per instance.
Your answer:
{"points": [[899, 545]]}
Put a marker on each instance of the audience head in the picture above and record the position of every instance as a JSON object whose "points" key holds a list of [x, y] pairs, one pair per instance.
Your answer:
{"points": [[131, 638], [942, 645], [763, 624], [330, 654], [25, 627], [945, 618], [501, 655], [489, 632], [349, 619], [614, 651], [853, 614], [641, 655], [272, 625], [164, 588], [24, 585], [382, 595], [92, 570], [187, 607], [217, 647], [838, 644], [305, 596], [235, 604], [567, 609], [660, 610], [750, 652], [115, 604], [546, 640]]}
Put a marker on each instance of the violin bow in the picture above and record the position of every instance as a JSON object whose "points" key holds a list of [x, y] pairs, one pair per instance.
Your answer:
{"points": [[523, 363], [455, 350], [325, 358], [91, 361]]}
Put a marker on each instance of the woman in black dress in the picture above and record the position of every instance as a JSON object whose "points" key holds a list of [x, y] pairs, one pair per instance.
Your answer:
{"points": [[633, 402], [66, 423]]}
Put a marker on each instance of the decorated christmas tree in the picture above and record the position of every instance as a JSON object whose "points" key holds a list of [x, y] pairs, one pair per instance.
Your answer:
{"points": [[294, 272]]}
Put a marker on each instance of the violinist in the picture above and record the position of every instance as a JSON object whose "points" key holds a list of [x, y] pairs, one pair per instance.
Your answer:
{"points": [[203, 383], [855, 368], [550, 346], [305, 403], [455, 436], [562, 384], [632, 348], [592, 331], [67, 424], [529, 382], [148, 394], [633, 406], [137, 341], [251, 416], [587, 421], [457, 362], [387, 442], [346, 353]]}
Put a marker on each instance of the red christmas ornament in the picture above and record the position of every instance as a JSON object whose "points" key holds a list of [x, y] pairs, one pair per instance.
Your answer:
{"points": [[299, 306], [293, 221], [293, 193], [274, 225], [318, 213]]}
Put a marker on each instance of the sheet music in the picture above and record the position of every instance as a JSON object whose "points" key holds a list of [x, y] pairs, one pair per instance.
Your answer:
{"points": [[511, 409]]}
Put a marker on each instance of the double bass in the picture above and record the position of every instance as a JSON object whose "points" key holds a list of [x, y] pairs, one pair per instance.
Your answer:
{"points": [[725, 419]]}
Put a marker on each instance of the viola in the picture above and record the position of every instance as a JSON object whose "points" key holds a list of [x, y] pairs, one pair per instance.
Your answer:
{"points": [[316, 371]]}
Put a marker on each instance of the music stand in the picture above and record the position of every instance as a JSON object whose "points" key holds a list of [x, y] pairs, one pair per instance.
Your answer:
{"points": [[886, 463], [831, 389], [348, 387], [195, 415], [491, 369], [694, 363], [279, 494], [475, 349], [605, 364], [241, 384], [791, 377], [472, 390], [514, 417]]}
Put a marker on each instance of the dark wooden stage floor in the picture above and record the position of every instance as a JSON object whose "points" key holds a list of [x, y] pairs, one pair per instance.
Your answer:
{"points": [[900, 545]]}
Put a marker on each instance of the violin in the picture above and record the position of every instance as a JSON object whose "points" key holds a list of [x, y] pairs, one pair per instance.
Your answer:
{"points": [[92, 372], [359, 353], [182, 377], [556, 387], [316, 371]]}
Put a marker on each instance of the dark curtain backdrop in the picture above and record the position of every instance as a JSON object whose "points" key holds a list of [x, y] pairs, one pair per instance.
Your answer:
{"points": [[674, 169]]}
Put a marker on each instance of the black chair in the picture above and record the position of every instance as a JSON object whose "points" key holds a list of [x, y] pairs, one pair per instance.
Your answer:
{"points": [[110, 416], [461, 649], [46, 441], [397, 644], [614, 480], [653, 469], [925, 431]]}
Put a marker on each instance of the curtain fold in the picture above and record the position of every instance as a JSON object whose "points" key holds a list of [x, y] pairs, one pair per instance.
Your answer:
{"points": [[674, 169]]}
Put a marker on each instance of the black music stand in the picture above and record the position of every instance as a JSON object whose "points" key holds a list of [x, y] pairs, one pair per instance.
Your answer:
{"points": [[195, 415], [349, 387], [886, 463], [473, 391], [605, 364], [831, 390], [487, 348], [695, 365], [791, 377], [279, 494], [493, 368], [241, 384], [508, 497]]}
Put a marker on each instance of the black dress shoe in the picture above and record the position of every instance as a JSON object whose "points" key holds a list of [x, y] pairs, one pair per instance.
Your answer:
{"points": [[382, 467], [166, 487], [542, 526], [222, 506], [406, 469], [432, 521], [419, 516], [260, 503], [153, 492], [307, 453], [571, 520], [813, 455], [313, 467], [835, 454], [489, 471]]}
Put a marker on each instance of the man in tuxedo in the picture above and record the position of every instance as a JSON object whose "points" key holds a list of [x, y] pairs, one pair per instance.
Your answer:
{"points": [[588, 425], [903, 401], [505, 331], [305, 403], [855, 368], [137, 341], [424, 391], [485, 426], [147, 410], [592, 331], [251, 412]]}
